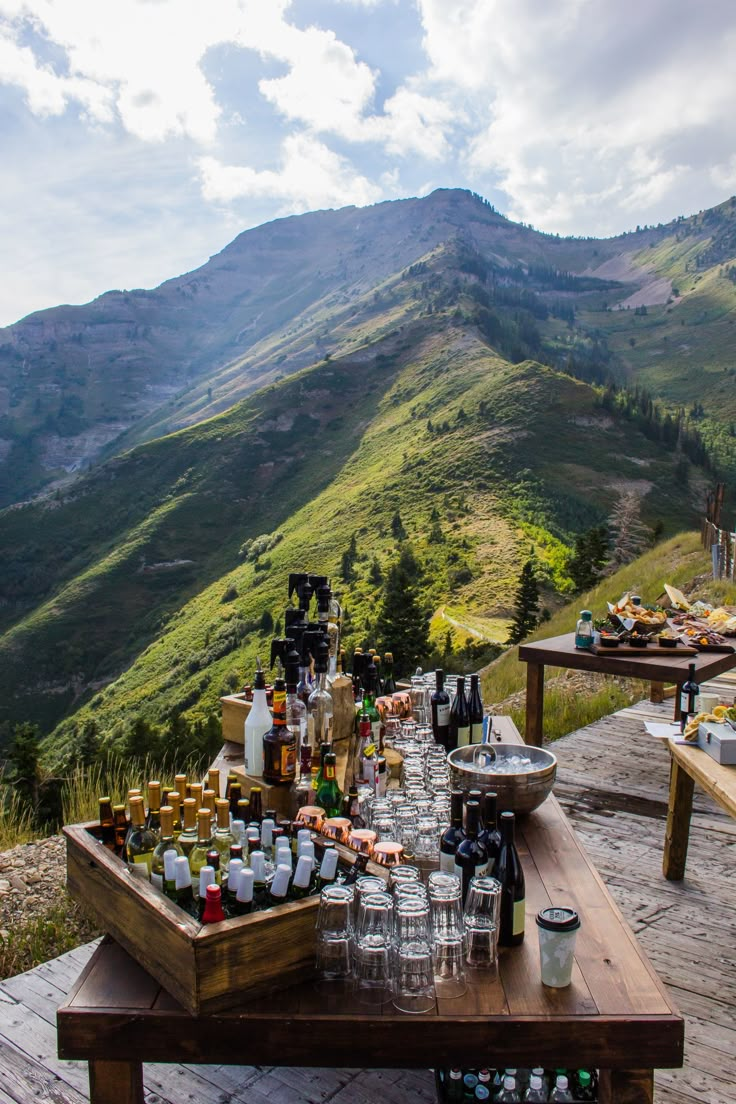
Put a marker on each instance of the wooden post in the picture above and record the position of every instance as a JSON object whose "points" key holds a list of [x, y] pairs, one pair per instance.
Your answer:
{"points": [[626, 1087], [115, 1082], [656, 692], [534, 730], [677, 832]]}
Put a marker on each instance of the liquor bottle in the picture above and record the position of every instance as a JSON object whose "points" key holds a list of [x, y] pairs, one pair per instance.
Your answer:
{"points": [[511, 876], [328, 868], [213, 780], [369, 709], [198, 854], [213, 910], [166, 843], [475, 710], [184, 891], [181, 786], [302, 883], [258, 866], [107, 823], [389, 682], [244, 893], [235, 794], [509, 1093], [584, 631], [256, 805], [170, 858], [296, 710], [561, 1092], [471, 858], [120, 820], [140, 841], [223, 838], [536, 1093], [257, 724], [490, 837], [188, 835], [206, 878], [329, 796], [300, 793], [175, 801], [689, 694], [351, 808], [454, 835], [279, 888], [319, 705], [440, 704], [459, 719], [455, 1093], [279, 743]]}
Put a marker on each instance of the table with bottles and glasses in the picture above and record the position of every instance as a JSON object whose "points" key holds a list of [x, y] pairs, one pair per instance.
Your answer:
{"points": [[616, 1015], [656, 665]]}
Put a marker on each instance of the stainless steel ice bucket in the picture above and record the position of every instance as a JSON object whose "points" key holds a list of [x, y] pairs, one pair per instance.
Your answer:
{"points": [[519, 792]]}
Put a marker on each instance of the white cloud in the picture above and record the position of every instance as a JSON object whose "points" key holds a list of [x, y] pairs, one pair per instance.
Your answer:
{"points": [[310, 176]]}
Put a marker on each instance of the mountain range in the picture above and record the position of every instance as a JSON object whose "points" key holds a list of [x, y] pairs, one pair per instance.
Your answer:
{"points": [[168, 456]]}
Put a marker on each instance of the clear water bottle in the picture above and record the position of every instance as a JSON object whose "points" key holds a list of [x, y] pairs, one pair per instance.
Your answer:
{"points": [[561, 1092], [509, 1094], [537, 1092], [584, 630]]}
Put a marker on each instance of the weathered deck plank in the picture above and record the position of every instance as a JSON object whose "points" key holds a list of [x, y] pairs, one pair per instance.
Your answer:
{"points": [[613, 782]]}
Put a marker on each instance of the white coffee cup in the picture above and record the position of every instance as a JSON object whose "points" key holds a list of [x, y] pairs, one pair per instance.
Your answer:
{"points": [[557, 928]]}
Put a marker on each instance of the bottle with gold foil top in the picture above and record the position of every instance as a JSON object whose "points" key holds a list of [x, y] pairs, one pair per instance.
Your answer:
{"points": [[107, 823], [196, 789], [175, 800], [153, 819], [213, 780], [209, 798], [140, 841], [181, 786], [279, 743], [256, 804], [165, 843], [120, 820], [188, 834], [223, 838], [198, 854]]}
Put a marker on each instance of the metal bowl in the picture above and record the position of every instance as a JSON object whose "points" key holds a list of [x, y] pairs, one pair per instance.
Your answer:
{"points": [[519, 793]]}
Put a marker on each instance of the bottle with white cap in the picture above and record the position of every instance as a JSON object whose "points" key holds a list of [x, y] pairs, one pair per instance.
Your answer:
{"points": [[509, 1093], [307, 848], [244, 893], [258, 866], [328, 868], [303, 836], [207, 876], [170, 857], [536, 1093], [279, 888], [267, 827], [283, 852], [561, 1091], [229, 891], [301, 885], [183, 880]]}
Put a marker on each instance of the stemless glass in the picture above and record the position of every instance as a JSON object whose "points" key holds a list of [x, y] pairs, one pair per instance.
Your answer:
{"points": [[404, 872], [411, 919], [482, 908], [375, 915], [445, 897], [414, 989], [335, 933]]}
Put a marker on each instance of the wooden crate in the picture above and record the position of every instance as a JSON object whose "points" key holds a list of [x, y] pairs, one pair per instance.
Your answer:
{"points": [[209, 967]]}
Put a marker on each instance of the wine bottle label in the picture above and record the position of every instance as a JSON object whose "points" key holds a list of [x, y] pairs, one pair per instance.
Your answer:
{"points": [[519, 915], [376, 732], [481, 869], [157, 880], [447, 863], [144, 860], [443, 713], [463, 736]]}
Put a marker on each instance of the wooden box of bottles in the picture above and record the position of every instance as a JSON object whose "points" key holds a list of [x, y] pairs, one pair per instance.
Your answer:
{"points": [[207, 968]]}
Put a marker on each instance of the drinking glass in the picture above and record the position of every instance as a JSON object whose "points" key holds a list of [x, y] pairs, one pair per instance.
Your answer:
{"points": [[482, 908], [336, 909], [448, 964], [404, 872], [445, 897], [414, 989], [375, 915], [369, 883], [373, 970], [384, 825], [335, 933], [411, 920]]}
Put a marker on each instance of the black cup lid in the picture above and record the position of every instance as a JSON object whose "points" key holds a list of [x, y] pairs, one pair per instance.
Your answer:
{"points": [[558, 919]]}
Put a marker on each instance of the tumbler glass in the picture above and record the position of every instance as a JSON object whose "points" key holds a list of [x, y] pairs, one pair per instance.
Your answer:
{"points": [[482, 908], [414, 989], [404, 872], [373, 970], [335, 933], [375, 915], [411, 921], [448, 962]]}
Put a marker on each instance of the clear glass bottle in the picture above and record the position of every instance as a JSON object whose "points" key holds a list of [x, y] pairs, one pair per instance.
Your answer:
{"points": [[257, 724], [509, 1093], [198, 854], [166, 843], [320, 706], [223, 838], [536, 1093], [175, 800], [584, 630], [188, 835], [140, 841]]}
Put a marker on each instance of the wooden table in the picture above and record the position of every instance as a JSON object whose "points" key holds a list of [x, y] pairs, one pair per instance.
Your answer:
{"points": [[656, 665], [690, 764], [616, 1015]]}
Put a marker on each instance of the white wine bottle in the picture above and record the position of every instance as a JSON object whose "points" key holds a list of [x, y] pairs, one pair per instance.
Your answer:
{"points": [[166, 843], [188, 834], [140, 841], [198, 854]]}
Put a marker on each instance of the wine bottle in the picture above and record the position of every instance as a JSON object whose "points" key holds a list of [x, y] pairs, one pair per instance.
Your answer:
{"points": [[243, 812], [166, 843], [511, 876], [389, 682], [454, 835], [181, 786], [140, 842], [175, 801], [256, 805], [279, 889], [302, 883], [279, 743], [258, 866], [257, 724], [459, 719], [223, 837], [229, 887], [328, 868], [490, 837], [244, 893], [213, 780], [440, 703], [369, 709], [689, 694], [329, 796], [475, 710], [213, 860], [351, 808], [205, 878], [198, 854], [213, 910], [184, 891], [471, 858], [107, 823], [188, 835], [235, 794], [170, 857]]}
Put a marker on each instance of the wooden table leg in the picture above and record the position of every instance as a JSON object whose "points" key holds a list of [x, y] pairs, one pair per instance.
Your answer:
{"points": [[534, 704], [115, 1082], [626, 1087], [656, 692], [677, 833]]}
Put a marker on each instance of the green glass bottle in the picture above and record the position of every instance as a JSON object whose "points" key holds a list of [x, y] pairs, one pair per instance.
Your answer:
{"points": [[329, 795]]}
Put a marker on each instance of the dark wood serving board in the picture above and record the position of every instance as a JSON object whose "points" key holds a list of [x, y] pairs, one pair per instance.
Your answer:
{"points": [[650, 649]]}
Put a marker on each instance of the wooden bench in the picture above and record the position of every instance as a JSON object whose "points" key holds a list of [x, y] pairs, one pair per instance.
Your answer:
{"points": [[690, 764], [616, 1015]]}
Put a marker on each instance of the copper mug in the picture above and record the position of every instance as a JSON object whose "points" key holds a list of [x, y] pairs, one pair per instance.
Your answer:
{"points": [[388, 853], [312, 817], [336, 828], [362, 840]]}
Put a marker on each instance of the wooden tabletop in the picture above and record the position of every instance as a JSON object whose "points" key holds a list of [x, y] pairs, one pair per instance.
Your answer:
{"points": [[654, 665], [717, 780], [616, 1014]]}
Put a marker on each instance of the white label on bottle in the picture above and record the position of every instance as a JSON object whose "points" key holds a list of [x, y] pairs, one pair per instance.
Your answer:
{"points": [[481, 869], [447, 863], [519, 916], [443, 713], [463, 737], [157, 880]]}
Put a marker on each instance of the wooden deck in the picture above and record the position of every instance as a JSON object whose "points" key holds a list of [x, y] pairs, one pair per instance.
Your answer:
{"points": [[613, 782]]}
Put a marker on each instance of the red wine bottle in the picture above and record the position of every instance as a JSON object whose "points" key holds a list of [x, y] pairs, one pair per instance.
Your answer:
{"points": [[471, 858], [511, 876], [454, 835], [440, 702]]}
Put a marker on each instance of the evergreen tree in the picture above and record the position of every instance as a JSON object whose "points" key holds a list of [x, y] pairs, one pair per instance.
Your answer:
{"points": [[402, 624], [526, 612], [397, 527], [586, 563]]}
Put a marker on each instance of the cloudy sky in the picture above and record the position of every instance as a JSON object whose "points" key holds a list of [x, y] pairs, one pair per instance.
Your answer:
{"points": [[138, 137]]}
